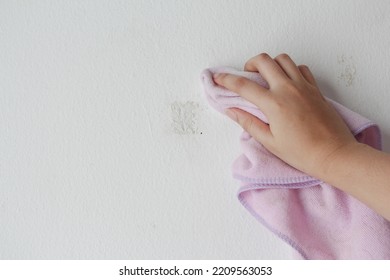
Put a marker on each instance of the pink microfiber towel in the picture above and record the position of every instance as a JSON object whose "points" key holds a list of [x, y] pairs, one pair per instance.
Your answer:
{"points": [[316, 219]]}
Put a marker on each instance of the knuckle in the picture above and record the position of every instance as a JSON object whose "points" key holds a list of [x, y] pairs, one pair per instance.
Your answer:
{"points": [[304, 70], [282, 56], [262, 57], [248, 64], [257, 60], [240, 82]]}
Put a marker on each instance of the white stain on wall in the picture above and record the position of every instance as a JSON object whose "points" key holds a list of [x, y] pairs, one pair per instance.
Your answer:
{"points": [[348, 70], [185, 117]]}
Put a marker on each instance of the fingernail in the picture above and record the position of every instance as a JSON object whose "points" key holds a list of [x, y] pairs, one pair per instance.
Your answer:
{"points": [[231, 114]]}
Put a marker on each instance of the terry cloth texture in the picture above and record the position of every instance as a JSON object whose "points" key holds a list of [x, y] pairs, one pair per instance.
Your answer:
{"points": [[316, 219]]}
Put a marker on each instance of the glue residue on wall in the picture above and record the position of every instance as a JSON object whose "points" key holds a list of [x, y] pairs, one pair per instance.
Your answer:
{"points": [[185, 117]]}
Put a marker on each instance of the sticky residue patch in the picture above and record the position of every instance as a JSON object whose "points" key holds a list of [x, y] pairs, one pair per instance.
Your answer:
{"points": [[184, 117], [348, 70]]}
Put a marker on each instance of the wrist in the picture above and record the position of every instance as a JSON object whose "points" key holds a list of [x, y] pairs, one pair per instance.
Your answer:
{"points": [[334, 166]]}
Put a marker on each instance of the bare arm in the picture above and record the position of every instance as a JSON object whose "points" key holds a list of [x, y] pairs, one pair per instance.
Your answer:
{"points": [[306, 132], [362, 172]]}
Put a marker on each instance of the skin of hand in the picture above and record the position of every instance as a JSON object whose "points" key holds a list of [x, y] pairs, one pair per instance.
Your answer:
{"points": [[304, 130]]}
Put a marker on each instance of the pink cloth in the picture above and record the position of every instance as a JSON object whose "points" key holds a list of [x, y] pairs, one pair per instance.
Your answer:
{"points": [[316, 219]]}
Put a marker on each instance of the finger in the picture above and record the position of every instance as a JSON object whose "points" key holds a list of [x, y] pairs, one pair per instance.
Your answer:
{"points": [[258, 129], [306, 73], [289, 66], [244, 87], [267, 67]]}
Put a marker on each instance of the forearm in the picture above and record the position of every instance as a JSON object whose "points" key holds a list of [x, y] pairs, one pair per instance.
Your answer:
{"points": [[364, 173]]}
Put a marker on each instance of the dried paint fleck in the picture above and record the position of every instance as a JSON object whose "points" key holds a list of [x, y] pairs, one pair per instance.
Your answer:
{"points": [[184, 117]]}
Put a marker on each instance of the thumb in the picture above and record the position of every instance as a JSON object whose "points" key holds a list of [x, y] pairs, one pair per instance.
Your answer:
{"points": [[251, 124]]}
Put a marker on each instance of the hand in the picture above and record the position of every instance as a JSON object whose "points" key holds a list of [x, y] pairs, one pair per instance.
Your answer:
{"points": [[304, 130]]}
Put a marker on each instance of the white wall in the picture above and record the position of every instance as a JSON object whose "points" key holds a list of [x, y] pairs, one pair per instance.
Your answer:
{"points": [[107, 148]]}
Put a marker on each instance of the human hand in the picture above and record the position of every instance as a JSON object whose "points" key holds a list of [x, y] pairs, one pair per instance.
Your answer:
{"points": [[304, 130]]}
